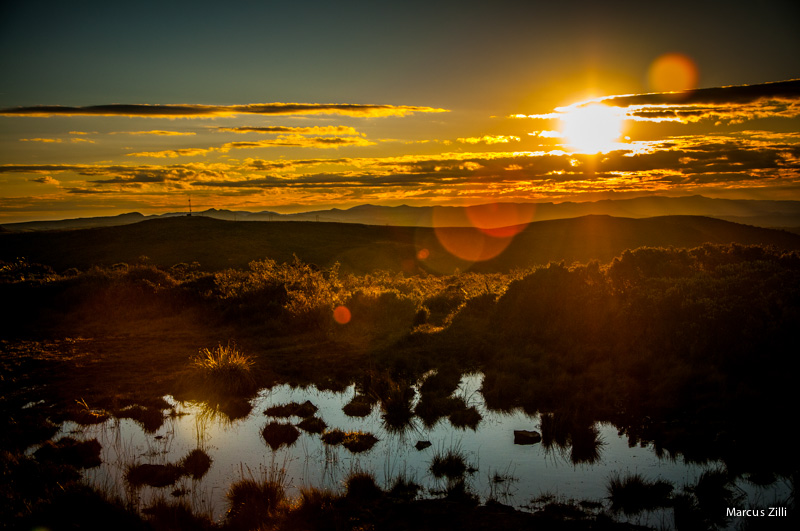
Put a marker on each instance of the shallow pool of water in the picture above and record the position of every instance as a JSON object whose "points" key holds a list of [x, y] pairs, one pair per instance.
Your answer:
{"points": [[510, 473]]}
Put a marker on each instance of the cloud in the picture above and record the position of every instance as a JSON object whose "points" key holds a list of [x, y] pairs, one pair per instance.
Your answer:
{"points": [[317, 130], [212, 111], [173, 153], [730, 105], [489, 139], [324, 142], [155, 132], [680, 164], [45, 179], [57, 140], [300, 141]]}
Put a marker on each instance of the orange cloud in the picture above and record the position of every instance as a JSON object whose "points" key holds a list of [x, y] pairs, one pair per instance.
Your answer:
{"points": [[489, 139]]}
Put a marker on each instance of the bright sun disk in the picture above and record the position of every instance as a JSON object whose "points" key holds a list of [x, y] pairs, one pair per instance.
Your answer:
{"points": [[592, 128]]}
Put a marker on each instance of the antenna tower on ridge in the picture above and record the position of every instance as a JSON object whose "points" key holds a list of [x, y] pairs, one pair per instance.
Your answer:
{"points": [[190, 207]]}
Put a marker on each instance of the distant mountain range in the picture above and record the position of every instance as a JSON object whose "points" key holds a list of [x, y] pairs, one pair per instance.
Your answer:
{"points": [[219, 244], [760, 213]]}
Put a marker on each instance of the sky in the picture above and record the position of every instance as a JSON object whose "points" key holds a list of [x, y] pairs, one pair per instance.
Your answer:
{"points": [[113, 107]]}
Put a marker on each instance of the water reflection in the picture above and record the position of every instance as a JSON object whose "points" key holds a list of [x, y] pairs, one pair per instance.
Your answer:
{"points": [[398, 442], [571, 436]]}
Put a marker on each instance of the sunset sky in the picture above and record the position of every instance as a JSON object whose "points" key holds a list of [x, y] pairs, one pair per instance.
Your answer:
{"points": [[112, 107]]}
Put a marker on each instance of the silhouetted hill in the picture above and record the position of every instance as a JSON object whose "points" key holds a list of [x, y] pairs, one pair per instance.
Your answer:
{"points": [[78, 223], [762, 213], [217, 244]]}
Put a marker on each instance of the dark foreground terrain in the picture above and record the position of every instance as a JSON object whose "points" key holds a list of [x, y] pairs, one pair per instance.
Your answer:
{"points": [[683, 349]]}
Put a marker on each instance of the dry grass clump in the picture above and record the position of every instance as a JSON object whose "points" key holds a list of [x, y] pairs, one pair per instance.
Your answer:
{"points": [[80, 454], [361, 486], [226, 368], [254, 504], [278, 434], [633, 493], [466, 417], [196, 463], [333, 437], [355, 441], [358, 442], [359, 406], [317, 509], [292, 409], [176, 515], [151, 419], [312, 425], [153, 475], [451, 464]]}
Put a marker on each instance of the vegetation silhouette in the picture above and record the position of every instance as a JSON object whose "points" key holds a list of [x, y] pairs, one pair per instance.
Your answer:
{"points": [[673, 346]]}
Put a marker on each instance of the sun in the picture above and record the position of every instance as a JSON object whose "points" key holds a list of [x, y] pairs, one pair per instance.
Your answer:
{"points": [[592, 128]]}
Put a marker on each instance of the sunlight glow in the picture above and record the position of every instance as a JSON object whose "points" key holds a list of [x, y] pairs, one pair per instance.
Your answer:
{"points": [[593, 128]]}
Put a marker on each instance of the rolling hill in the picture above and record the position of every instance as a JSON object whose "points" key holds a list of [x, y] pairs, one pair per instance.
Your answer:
{"points": [[217, 244]]}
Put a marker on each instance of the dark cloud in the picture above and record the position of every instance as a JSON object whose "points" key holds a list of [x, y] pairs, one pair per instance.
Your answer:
{"points": [[199, 111], [315, 130], [739, 94]]}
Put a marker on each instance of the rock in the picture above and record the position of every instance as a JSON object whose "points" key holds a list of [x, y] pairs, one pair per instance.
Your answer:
{"points": [[421, 445], [526, 437]]}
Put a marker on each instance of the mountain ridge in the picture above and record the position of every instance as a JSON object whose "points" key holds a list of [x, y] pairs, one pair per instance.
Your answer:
{"points": [[758, 212]]}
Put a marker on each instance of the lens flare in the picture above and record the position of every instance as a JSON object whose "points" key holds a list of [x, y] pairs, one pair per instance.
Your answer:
{"points": [[341, 315], [672, 72], [500, 220]]}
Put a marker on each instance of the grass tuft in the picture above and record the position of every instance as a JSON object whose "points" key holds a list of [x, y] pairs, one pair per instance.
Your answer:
{"points": [[196, 463], [451, 464], [633, 493], [254, 504], [80, 454], [358, 442], [226, 368], [361, 486], [153, 475], [312, 425], [292, 409], [277, 434], [333, 437], [359, 406]]}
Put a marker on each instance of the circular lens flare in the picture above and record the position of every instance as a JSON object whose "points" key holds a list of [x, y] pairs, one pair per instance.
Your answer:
{"points": [[672, 72], [341, 315]]}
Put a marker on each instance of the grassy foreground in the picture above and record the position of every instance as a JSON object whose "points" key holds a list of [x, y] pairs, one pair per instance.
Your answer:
{"points": [[673, 346]]}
